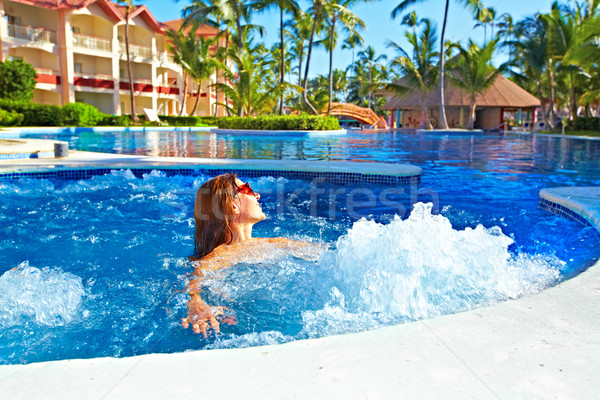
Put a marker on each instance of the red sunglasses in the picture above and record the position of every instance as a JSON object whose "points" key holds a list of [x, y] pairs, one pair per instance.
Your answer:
{"points": [[245, 189]]}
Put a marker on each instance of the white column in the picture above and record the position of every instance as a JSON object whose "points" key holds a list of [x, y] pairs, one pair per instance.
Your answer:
{"points": [[154, 64], [65, 59], [3, 32], [115, 71]]}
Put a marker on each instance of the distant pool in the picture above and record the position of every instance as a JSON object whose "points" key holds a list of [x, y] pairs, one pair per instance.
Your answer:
{"points": [[108, 254]]}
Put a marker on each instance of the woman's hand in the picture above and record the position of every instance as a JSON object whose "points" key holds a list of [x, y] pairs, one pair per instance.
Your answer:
{"points": [[203, 317]]}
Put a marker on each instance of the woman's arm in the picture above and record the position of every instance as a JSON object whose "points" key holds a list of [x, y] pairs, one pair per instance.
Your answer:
{"points": [[200, 315]]}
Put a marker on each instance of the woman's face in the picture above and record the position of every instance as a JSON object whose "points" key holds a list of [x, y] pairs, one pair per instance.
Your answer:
{"points": [[250, 210]]}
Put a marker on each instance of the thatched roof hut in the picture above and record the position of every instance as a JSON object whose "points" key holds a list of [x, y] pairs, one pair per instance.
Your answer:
{"points": [[503, 101]]}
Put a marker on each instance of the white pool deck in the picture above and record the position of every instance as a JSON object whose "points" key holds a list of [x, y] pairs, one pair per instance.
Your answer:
{"points": [[544, 346]]}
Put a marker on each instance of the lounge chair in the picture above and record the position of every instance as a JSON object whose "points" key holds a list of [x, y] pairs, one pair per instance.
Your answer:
{"points": [[152, 116]]}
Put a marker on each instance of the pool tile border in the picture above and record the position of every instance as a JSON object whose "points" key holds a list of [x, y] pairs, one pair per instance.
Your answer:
{"points": [[332, 177], [563, 211]]}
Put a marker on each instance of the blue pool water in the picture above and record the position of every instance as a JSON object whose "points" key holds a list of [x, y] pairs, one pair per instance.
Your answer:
{"points": [[97, 267]]}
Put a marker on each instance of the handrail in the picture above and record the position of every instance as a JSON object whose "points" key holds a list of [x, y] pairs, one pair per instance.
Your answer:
{"points": [[92, 42], [136, 50], [46, 71], [32, 34], [85, 75]]}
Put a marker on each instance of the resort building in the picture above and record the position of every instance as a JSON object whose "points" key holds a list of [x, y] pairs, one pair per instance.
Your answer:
{"points": [[504, 103], [78, 50]]}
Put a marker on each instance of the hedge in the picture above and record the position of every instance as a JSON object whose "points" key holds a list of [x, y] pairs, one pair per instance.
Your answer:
{"points": [[82, 114], [10, 118], [35, 114], [585, 124]]}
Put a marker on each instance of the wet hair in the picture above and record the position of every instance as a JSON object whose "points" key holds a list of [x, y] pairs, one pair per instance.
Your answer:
{"points": [[213, 212]]}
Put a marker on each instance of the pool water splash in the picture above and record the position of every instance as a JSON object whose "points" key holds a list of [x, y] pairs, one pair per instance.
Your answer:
{"points": [[422, 267], [44, 296]]}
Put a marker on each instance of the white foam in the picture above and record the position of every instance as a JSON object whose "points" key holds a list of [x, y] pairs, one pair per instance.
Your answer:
{"points": [[48, 297], [420, 268]]}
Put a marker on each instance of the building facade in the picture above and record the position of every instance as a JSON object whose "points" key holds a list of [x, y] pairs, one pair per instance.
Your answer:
{"points": [[78, 50]]}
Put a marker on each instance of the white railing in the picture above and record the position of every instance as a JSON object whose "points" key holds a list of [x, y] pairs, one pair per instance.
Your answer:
{"points": [[135, 50], [45, 71], [91, 42], [31, 34], [85, 75], [166, 57]]}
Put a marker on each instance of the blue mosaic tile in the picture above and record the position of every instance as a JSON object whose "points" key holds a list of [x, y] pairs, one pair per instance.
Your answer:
{"points": [[332, 177], [563, 211]]}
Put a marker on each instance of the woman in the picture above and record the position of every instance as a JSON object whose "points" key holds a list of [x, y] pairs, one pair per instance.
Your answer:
{"points": [[225, 211]]}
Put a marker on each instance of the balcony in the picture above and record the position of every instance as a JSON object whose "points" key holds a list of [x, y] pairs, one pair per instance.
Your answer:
{"points": [[47, 76], [135, 50], [92, 43], [139, 85], [98, 81], [32, 34], [166, 58]]}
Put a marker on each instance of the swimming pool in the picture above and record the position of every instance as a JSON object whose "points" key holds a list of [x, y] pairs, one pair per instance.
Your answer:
{"points": [[109, 268]]}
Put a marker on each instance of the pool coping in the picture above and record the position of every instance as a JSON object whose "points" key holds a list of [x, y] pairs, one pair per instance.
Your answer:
{"points": [[542, 346]]}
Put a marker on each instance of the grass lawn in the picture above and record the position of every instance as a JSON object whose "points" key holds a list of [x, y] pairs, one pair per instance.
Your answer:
{"points": [[574, 133]]}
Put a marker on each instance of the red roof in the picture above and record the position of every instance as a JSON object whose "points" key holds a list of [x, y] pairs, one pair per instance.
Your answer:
{"points": [[203, 30], [112, 9]]}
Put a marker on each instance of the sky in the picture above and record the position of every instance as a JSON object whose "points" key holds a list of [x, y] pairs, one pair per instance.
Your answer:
{"points": [[380, 28]]}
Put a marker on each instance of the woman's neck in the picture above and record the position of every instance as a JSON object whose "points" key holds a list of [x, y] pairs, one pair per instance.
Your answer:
{"points": [[240, 233]]}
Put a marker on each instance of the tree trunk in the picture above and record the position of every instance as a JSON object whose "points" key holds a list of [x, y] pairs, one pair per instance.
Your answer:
{"points": [[472, 107], [184, 94], [131, 88], [370, 82], [543, 107], [552, 109], [443, 120], [282, 50], [216, 108], [310, 44], [333, 20], [197, 99], [573, 97]]}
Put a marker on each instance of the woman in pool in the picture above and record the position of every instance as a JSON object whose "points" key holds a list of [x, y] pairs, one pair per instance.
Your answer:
{"points": [[225, 211]]}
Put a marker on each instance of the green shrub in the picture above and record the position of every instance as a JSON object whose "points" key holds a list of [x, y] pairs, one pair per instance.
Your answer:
{"points": [[35, 114], [174, 120], [115, 120], [17, 80], [10, 118], [276, 122], [81, 114], [585, 124]]}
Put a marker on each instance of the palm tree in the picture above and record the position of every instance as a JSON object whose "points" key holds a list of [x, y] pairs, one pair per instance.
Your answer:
{"points": [[283, 6], [472, 71], [300, 28], [419, 70], [317, 14], [128, 6], [254, 89], [338, 11], [370, 59], [474, 5], [180, 45], [485, 16], [529, 57]]}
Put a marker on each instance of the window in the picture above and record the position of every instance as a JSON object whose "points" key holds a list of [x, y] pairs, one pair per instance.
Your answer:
{"points": [[78, 68], [76, 29], [11, 19]]}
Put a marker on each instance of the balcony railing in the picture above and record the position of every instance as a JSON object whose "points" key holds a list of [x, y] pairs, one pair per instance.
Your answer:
{"points": [[166, 57], [94, 76], [135, 50], [91, 43], [31, 33], [46, 71]]}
